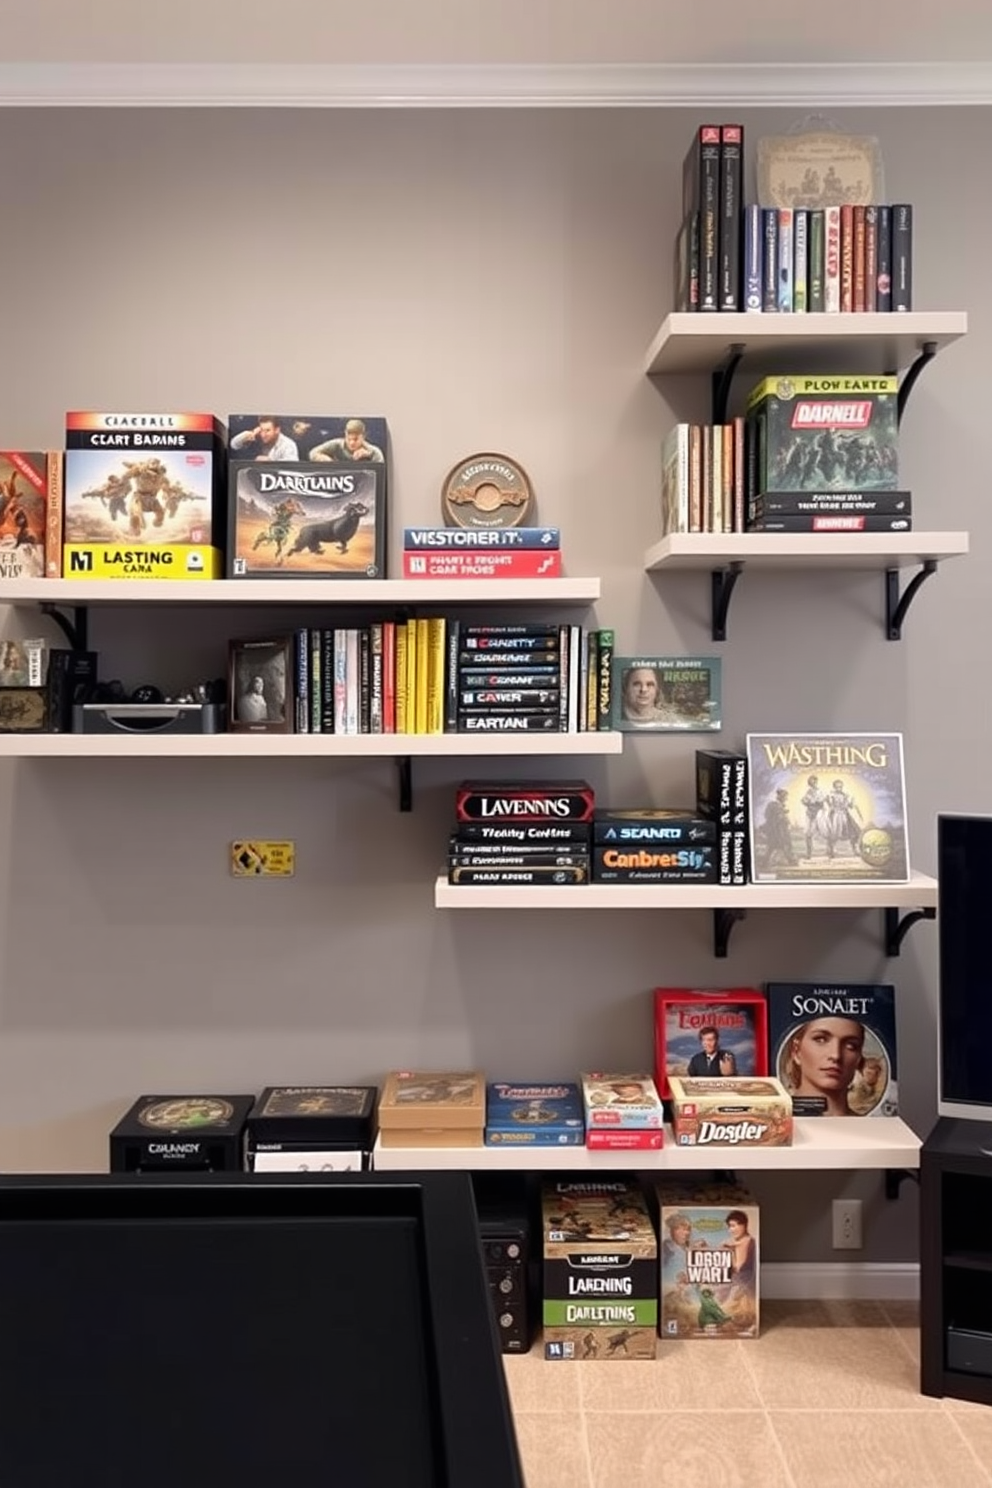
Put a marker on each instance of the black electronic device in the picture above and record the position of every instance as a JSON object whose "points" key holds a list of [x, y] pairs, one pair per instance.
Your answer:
{"points": [[234, 1331], [964, 872]]}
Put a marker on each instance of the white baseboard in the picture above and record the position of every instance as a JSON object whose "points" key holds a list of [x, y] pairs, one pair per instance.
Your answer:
{"points": [[830, 1281]]}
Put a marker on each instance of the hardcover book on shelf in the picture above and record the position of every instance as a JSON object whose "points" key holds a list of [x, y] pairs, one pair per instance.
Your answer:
{"points": [[827, 808], [718, 1032], [833, 1046]]}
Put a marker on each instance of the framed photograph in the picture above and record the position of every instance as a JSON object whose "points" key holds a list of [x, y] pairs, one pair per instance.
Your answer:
{"points": [[710, 1033], [261, 687], [667, 694]]}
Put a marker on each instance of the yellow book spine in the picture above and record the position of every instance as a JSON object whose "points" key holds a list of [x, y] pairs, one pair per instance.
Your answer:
{"points": [[435, 676], [411, 676], [423, 664], [400, 642]]}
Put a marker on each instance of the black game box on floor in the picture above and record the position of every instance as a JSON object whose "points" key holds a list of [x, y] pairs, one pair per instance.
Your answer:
{"points": [[331, 1116], [203, 1133]]}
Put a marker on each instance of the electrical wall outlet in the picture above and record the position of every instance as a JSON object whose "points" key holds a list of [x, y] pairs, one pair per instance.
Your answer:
{"points": [[847, 1224]]}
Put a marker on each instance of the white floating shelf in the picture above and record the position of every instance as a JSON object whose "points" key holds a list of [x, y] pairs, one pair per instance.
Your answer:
{"points": [[299, 746], [919, 893], [819, 1142], [874, 550], [299, 591], [868, 342]]}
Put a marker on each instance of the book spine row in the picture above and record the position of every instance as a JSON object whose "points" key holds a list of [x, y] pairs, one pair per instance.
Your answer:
{"points": [[703, 478]]}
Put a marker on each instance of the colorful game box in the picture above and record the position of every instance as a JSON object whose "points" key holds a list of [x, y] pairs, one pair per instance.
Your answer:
{"points": [[306, 521], [534, 1115], [833, 1046], [819, 434], [622, 1111], [600, 1271], [709, 1254], [717, 1032], [827, 808], [284, 438], [737, 1112], [26, 481], [144, 496]]}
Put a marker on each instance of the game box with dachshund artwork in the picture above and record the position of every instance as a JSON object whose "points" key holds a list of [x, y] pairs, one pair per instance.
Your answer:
{"points": [[306, 520]]}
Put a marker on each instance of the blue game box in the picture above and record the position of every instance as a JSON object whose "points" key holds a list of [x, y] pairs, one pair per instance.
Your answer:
{"points": [[534, 1115]]}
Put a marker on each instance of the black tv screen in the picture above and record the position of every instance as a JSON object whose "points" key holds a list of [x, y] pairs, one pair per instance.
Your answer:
{"points": [[236, 1332], [964, 920]]}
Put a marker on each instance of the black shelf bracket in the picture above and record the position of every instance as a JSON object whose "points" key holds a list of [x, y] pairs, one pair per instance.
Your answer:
{"points": [[896, 604], [722, 582], [894, 1180], [897, 927], [404, 767], [927, 353], [723, 379], [76, 630], [724, 921]]}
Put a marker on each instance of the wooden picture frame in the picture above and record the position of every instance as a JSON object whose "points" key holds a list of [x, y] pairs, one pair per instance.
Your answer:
{"points": [[261, 687]]}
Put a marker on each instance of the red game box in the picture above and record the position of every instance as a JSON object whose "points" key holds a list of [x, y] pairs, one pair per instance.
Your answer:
{"points": [[714, 1032]]}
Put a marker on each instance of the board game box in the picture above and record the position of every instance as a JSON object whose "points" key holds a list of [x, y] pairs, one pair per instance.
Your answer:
{"points": [[714, 1032], [306, 521], [144, 496], [600, 1271], [525, 1115], [679, 694], [821, 434], [827, 808], [202, 1133], [26, 481], [833, 1046], [731, 1112], [421, 1108], [709, 1253], [324, 438]]}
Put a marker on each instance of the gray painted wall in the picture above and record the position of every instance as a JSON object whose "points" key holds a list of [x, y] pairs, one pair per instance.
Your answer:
{"points": [[484, 280]]}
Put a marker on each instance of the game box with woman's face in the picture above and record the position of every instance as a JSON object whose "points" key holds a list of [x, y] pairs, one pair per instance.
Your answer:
{"points": [[833, 1046]]}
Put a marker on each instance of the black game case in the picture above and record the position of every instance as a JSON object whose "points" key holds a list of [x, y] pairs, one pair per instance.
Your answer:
{"points": [[721, 797], [701, 193], [199, 1133], [731, 209], [329, 1116]]}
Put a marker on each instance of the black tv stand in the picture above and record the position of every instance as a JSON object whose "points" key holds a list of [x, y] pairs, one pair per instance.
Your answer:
{"points": [[956, 1261]]}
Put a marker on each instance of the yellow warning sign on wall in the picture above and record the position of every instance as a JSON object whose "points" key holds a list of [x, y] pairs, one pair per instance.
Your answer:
{"points": [[263, 859]]}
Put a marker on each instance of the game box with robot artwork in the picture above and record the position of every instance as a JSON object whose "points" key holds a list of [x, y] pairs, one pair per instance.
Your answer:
{"points": [[144, 496]]}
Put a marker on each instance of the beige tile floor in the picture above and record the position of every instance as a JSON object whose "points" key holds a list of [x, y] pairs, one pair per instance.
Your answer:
{"points": [[827, 1397]]}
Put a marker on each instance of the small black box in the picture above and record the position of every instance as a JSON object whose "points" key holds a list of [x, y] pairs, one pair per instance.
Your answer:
{"points": [[303, 1127], [159, 1133]]}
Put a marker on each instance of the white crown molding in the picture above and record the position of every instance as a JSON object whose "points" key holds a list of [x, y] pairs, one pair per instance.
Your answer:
{"points": [[627, 85]]}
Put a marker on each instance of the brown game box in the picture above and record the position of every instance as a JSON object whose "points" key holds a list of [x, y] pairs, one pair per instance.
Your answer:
{"points": [[421, 1108], [709, 1239], [755, 1112]]}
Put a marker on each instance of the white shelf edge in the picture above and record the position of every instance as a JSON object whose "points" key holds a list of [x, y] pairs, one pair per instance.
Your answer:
{"points": [[919, 893], [298, 746], [714, 333], [699, 550], [819, 1143], [299, 591]]}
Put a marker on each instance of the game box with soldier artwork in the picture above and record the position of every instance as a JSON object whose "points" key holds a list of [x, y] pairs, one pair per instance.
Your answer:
{"points": [[823, 455], [144, 496], [306, 520], [600, 1271]]}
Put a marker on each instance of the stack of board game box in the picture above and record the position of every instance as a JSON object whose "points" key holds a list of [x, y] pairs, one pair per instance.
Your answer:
{"points": [[600, 1271], [311, 1129], [623, 1112], [709, 1260], [527, 1114], [521, 832], [426, 1108], [653, 845], [481, 553], [307, 496], [143, 497]]}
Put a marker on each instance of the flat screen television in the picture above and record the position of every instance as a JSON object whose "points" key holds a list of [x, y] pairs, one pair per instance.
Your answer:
{"points": [[964, 924], [235, 1331]]}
